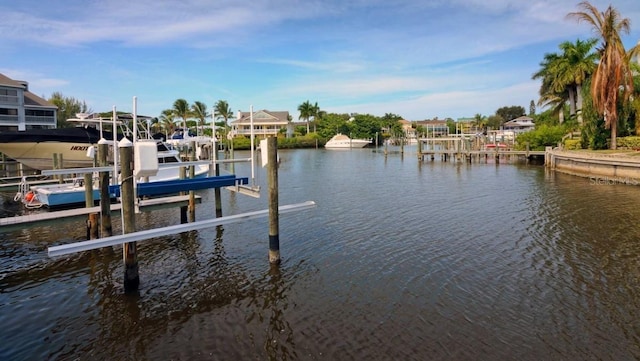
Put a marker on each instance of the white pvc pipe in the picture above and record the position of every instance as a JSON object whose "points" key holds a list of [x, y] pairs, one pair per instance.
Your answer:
{"points": [[159, 232]]}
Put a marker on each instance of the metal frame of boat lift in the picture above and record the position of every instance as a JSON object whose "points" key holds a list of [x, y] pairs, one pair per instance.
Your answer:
{"points": [[165, 231]]}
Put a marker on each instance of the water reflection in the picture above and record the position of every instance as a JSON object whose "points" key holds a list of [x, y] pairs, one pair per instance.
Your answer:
{"points": [[401, 260]]}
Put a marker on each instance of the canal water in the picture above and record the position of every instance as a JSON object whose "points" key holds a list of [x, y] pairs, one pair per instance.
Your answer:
{"points": [[400, 260]]}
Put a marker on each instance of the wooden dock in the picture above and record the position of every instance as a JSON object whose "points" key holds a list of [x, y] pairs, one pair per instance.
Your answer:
{"points": [[68, 214], [460, 149]]}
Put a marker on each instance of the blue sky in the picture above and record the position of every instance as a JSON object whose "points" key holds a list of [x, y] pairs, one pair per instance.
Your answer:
{"points": [[418, 59]]}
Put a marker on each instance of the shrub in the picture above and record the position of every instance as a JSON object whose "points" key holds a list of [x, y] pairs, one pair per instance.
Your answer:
{"points": [[572, 144]]}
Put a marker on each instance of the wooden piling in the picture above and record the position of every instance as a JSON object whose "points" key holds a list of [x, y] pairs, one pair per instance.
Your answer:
{"points": [[183, 209], [129, 253], [92, 221], [105, 197], [272, 180], [192, 175], [217, 189]]}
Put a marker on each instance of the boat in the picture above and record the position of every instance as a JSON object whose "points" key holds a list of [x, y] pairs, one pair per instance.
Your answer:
{"points": [[343, 141], [69, 193], [494, 146], [81, 140], [35, 148]]}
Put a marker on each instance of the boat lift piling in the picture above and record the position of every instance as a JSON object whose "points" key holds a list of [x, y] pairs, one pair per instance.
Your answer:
{"points": [[272, 180], [192, 175], [129, 253], [105, 200]]}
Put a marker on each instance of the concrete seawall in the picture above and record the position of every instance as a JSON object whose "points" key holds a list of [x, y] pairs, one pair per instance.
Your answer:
{"points": [[620, 167]]}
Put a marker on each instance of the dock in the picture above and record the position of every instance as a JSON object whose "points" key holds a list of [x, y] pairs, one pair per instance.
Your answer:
{"points": [[460, 148], [9, 223]]}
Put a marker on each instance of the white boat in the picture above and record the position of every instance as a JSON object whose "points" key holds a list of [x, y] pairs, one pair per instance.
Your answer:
{"points": [[343, 141], [65, 139], [57, 195]]}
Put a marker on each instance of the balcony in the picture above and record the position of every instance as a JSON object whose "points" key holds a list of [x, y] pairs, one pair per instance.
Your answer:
{"points": [[9, 99]]}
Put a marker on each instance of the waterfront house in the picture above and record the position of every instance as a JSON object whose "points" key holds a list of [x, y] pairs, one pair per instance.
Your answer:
{"points": [[519, 125], [435, 127], [20, 109], [265, 123]]}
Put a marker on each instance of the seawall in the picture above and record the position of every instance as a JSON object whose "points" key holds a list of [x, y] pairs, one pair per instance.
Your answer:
{"points": [[618, 167]]}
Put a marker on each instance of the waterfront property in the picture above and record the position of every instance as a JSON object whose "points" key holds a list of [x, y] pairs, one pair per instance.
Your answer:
{"points": [[265, 123], [20, 109], [519, 125]]}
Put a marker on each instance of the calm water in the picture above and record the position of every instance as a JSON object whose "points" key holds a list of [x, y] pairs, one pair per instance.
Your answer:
{"points": [[399, 260]]}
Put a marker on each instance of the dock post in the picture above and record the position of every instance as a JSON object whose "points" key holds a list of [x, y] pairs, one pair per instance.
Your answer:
{"points": [[420, 156], [105, 197], [92, 222], [129, 253], [272, 179], [192, 175], [183, 209], [217, 189]]}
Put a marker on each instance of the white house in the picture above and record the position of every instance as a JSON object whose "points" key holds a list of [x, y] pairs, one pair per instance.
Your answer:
{"points": [[264, 123], [519, 125], [20, 109]]}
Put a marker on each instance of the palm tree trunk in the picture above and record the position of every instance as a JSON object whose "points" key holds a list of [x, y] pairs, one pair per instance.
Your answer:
{"points": [[614, 133], [561, 116], [579, 103], [572, 102]]}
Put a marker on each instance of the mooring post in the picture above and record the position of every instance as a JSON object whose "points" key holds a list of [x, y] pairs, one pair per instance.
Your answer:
{"points": [[92, 221], [216, 168], [105, 197], [129, 253], [183, 209], [272, 179], [192, 175], [420, 156]]}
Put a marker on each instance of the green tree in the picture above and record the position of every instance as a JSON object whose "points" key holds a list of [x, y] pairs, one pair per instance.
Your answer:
{"points": [[68, 107], [612, 79], [510, 113], [224, 111], [199, 111], [167, 121], [306, 111], [553, 91], [181, 110], [532, 108], [580, 64]]}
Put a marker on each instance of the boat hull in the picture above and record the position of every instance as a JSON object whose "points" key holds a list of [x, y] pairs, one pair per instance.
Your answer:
{"points": [[341, 141], [40, 155]]}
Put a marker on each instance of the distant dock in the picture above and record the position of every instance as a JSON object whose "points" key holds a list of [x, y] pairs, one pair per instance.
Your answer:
{"points": [[467, 150]]}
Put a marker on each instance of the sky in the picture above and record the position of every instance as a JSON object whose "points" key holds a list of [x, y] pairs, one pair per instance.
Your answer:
{"points": [[419, 59]]}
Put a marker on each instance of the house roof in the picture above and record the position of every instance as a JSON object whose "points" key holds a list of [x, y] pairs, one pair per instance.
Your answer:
{"points": [[263, 116], [522, 121], [30, 99]]}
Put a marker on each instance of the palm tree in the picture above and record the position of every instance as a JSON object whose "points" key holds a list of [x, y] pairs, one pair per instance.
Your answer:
{"points": [[167, 121], [306, 111], [199, 111], [553, 85], [581, 63], [612, 78], [223, 110], [563, 75], [181, 110], [317, 116]]}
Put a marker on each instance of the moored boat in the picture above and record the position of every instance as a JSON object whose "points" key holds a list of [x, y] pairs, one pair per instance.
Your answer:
{"points": [[343, 141]]}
